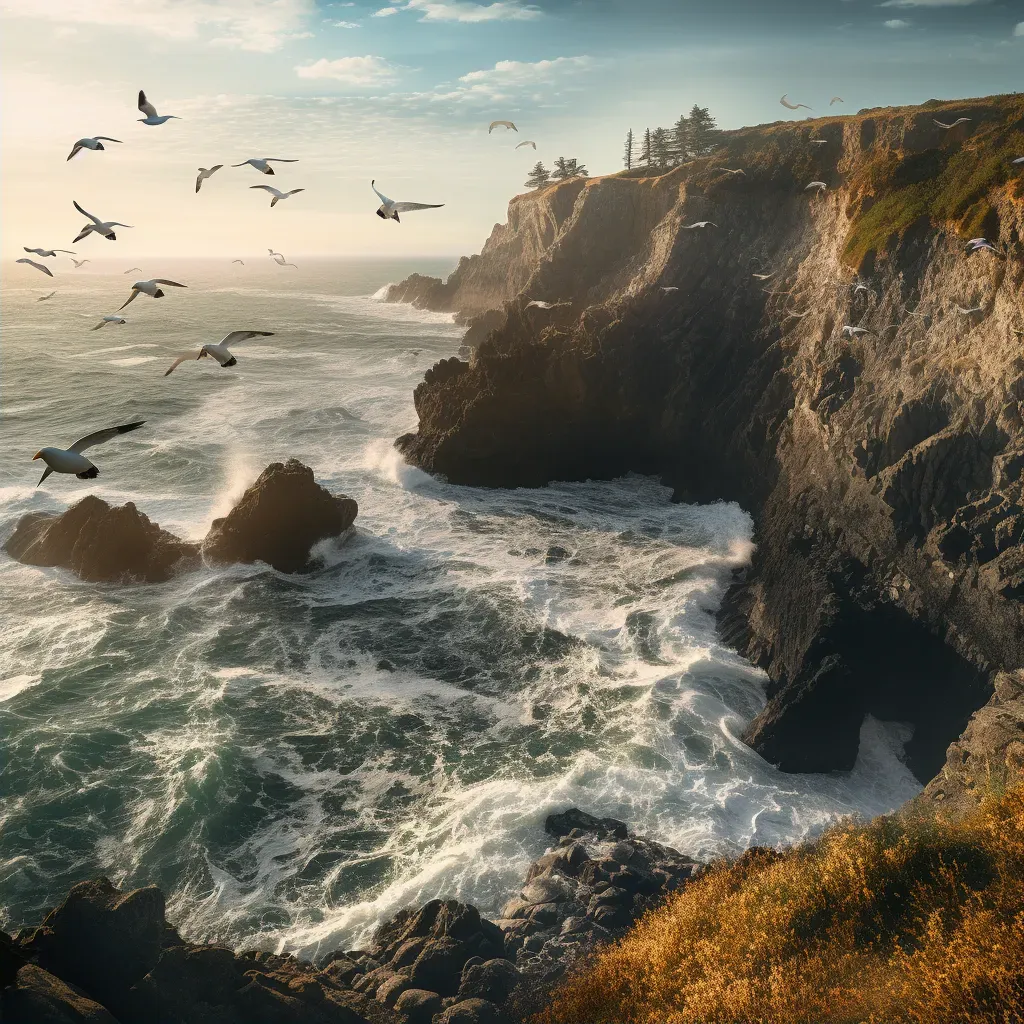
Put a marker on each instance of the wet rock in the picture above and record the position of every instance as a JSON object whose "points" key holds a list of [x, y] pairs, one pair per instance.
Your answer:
{"points": [[389, 992], [101, 543], [40, 998], [602, 828], [492, 980], [473, 1011], [419, 1005], [279, 519]]}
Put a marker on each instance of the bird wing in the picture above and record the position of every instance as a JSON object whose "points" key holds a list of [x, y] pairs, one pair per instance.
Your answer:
{"points": [[221, 354], [406, 207], [268, 188], [380, 195], [99, 436], [173, 284], [199, 179], [293, 192], [107, 138], [279, 160], [145, 106], [236, 336], [99, 325], [131, 298], [836, 99], [46, 473], [39, 252], [132, 270], [70, 252], [38, 266], [527, 143], [180, 359], [75, 149], [86, 213]]}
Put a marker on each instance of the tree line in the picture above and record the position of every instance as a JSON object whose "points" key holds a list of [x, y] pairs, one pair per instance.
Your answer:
{"points": [[565, 168], [694, 134]]}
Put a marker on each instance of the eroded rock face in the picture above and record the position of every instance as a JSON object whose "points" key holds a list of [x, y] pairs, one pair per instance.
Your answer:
{"points": [[278, 519], [102, 543], [885, 472]]}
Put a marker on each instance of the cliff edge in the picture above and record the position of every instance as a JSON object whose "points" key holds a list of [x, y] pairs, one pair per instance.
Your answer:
{"points": [[831, 358]]}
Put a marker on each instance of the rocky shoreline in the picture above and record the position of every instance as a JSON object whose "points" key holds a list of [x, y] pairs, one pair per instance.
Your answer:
{"points": [[110, 957], [883, 464]]}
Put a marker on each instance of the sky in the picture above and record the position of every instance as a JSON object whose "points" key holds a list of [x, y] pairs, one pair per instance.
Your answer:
{"points": [[403, 91]]}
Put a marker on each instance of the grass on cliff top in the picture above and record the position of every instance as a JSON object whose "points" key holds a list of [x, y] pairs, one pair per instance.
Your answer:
{"points": [[898, 920]]}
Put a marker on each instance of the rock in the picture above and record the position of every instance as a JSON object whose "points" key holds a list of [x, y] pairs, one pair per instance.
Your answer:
{"points": [[40, 998], [601, 828], [279, 519], [11, 960], [473, 1011], [101, 543], [439, 965], [419, 1005], [492, 980], [389, 992]]}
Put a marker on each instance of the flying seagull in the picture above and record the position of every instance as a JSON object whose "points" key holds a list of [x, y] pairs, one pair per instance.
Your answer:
{"points": [[764, 277], [39, 266], [281, 262], [108, 320], [699, 224], [729, 170], [666, 288], [152, 117], [150, 288], [818, 142], [71, 460], [131, 270], [47, 252], [96, 142], [983, 246], [526, 143], [501, 124], [541, 304], [857, 288], [968, 312], [272, 253], [819, 185], [277, 193], [43, 298], [1018, 160], [100, 227], [220, 350], [799, 316], [262, 163], [79, 263], [389, 209], [959, 120], [206, 172], [850, 332], [239, 261], [793, 106], [836, 99]]}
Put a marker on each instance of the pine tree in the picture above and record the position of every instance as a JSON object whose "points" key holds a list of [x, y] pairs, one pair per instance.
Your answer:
{"points": [[561, 171], [645, 148], [660, 148], [575, 169], [539, 176], [627, 157], [681, 142], [703, 130]]}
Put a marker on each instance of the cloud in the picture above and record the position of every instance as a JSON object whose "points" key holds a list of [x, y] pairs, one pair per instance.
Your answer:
{"points": [[344, 24], [932, 3], [897, 23], [257, 25], [1019, 30], [359, 71], [384, 12], [511, 80], [465, 12]]}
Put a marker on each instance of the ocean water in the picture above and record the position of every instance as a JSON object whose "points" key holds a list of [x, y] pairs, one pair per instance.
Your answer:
{"points": [[293, 759]]}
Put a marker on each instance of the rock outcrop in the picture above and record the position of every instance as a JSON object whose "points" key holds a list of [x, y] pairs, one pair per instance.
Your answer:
{"points": [[279, 519], [102, 543], [884, 470]]}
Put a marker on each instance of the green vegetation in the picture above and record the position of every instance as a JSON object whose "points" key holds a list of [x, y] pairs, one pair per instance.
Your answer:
{"points": [[901, 920], [566, 168], [691, 136], [539, 176]]}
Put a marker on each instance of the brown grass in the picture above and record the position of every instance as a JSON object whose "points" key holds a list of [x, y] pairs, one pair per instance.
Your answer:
{"points": [[901, 920]]}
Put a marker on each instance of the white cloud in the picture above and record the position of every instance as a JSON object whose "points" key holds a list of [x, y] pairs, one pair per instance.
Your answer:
{"points": [[509, 80], [932, 3], [462, 11], [258, 25], [384, 12], [368, 70], [344, 24], [1019, 30], [897, 23]]}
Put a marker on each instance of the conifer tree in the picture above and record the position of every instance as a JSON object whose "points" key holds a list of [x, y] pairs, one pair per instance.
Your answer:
{"points": [[645, 148], [660, 148], [703, 130], [681, 145], [575, 169], [539, 176], [627, 157], [560, 172]]}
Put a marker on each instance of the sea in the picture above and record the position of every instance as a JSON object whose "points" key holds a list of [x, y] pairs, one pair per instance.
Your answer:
{"points": [[294, 758]]}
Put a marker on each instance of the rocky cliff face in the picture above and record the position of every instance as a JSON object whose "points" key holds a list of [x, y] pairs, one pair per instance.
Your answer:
{"points": [[883, 467]]}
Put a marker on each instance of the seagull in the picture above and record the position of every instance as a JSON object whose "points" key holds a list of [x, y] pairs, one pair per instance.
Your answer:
{"points": [[93, 143], [836, 99], [131, 270], [764, 277], [818, 142], [101, 227], [150, 288], [152, 117], [71, 460], [793, 106], [983, 246], [108, 320], [43, 298], [262, 163], [699, 224], [1018, 160], [220, 350], [666, 288], [501, 124], [280, 261], [239, 261], [959, 120], [272, 253], [541, 304], [799, 316], [819, 185], [38, 266], [729, 170], [206, 172], [389, 209], [79, 263], [47, 252], [857, 288], [527, 143], [968, 312], [277, 193], [850, 332]]}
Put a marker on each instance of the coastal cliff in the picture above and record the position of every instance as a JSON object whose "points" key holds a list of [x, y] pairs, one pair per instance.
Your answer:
{"points": [[884, 468]]}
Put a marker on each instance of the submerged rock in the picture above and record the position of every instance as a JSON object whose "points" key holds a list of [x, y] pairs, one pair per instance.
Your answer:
{"points": [[279, 519], [102, 543]]}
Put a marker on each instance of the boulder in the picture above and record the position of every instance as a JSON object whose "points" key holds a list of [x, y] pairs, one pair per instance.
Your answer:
{"points": [[562, 824], [473, 1011], [40, 998], [279, 519], [419, 1005], [492, 980], [101, 543]]}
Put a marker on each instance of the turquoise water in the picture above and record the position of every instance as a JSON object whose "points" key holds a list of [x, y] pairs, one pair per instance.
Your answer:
{"points": [[294, 758]]}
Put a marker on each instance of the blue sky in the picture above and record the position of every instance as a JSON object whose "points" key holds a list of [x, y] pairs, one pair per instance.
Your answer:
{"points": [[403, 92]]}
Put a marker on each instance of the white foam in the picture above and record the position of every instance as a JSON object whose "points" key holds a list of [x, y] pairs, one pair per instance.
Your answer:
{"points": [[13, 685]]}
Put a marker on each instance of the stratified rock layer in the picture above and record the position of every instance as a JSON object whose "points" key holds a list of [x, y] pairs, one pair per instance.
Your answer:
{"points": [[884, 470]]}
